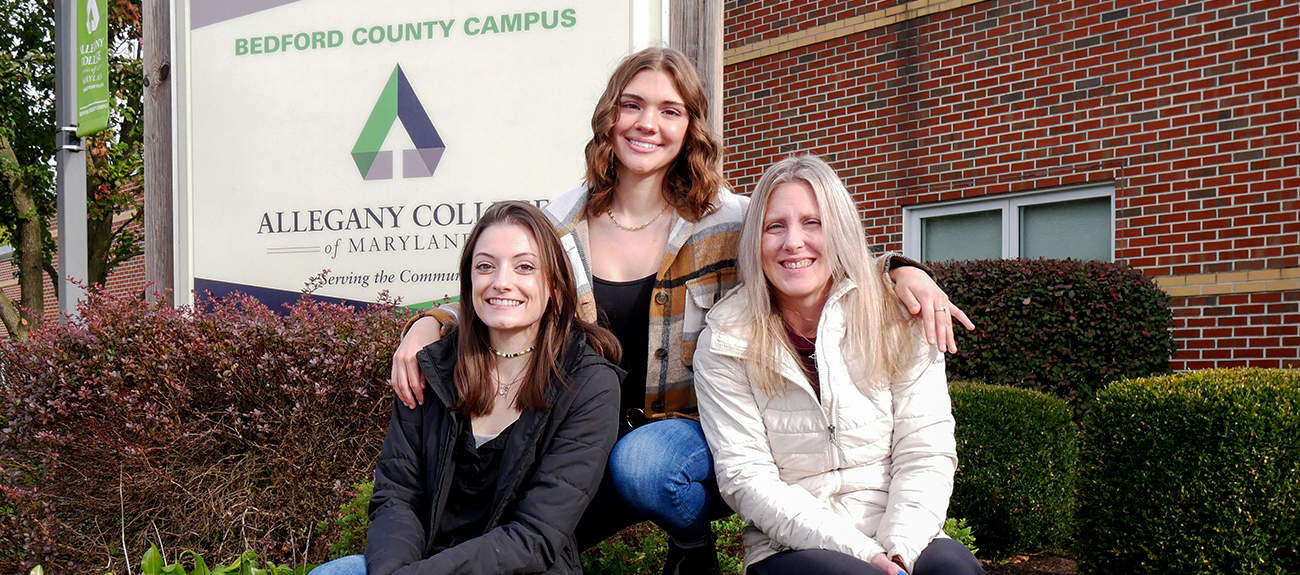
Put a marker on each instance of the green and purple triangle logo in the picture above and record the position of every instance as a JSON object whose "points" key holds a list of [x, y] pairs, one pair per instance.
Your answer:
{"points": [[398, 102]]}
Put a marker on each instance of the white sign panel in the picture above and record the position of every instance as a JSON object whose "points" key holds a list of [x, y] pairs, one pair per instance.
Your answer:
{"points": [[364, 138]]}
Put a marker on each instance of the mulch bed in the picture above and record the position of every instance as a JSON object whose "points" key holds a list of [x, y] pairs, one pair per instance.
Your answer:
{"points": [[1033, 565]]}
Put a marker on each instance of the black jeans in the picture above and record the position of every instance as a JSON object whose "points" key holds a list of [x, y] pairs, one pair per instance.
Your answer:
{"points": [[942, 557]]}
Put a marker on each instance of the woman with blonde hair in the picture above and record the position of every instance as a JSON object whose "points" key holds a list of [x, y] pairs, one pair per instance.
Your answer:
{"points": [[652, 236], [826, 411]]}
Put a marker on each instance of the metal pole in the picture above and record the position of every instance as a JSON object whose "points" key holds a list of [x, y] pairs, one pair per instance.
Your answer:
{"points": [[71, 159]]}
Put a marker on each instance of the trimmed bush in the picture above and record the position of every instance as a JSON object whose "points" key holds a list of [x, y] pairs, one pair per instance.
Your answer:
{"points": [[1193, 473], [221, 428], [1017, 455], [1064, 327]]}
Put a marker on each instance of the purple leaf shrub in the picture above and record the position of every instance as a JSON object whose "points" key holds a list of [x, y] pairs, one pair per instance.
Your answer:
{"points": [[219, 427]]}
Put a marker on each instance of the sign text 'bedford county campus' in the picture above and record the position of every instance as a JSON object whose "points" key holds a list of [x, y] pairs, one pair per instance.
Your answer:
{"points": [[406, 32]]}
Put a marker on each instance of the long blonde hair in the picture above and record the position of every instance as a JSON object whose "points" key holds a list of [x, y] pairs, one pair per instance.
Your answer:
{"points": [[876, 327]]}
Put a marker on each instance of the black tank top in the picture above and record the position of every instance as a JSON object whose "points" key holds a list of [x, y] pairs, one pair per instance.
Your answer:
{"points": [[625, 310]]}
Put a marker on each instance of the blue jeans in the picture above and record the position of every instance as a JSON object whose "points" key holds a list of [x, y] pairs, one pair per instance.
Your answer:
{"points": [[350, 565], [662, 472]]}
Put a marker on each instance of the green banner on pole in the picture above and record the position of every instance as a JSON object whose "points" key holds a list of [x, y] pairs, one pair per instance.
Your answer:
{"points": [[92, 66]]}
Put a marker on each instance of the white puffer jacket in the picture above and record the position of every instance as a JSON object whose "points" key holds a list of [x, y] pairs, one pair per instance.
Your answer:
{"points": [[858, 473]]}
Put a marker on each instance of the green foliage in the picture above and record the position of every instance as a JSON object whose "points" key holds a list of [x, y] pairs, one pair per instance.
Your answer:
{"points": [[348, 529], [637, 550], [1064, 327], [1017, 453], [153, 563], [219, 428], [731, 546], [27, 83], [959, 531], [641, 550], [1193, 473], [27, 150]]}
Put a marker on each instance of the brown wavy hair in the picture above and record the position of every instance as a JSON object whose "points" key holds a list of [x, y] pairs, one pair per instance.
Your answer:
{"points": [[474, 361], [695, 175]]}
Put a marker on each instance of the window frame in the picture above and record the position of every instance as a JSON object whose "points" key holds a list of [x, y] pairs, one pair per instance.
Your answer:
{"points": [[1009, 205]]}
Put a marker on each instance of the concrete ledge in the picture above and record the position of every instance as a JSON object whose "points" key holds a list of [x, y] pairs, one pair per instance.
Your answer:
{"points": [[1255, 281], [841, 28]]}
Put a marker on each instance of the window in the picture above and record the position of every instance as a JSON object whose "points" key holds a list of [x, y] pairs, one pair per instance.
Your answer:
{"points": [[1072, 223]]}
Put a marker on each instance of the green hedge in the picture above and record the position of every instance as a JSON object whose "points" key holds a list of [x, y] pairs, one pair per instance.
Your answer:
{"points": [[1064, 327], [1193, 473], [1017, 455]]}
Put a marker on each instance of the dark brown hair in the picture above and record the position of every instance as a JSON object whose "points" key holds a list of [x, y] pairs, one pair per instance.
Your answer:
{"points": [[474, 361], [695, 175]]}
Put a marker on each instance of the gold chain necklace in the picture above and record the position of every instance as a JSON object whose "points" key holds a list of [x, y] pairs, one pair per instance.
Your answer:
{"points": [[610, 212]]}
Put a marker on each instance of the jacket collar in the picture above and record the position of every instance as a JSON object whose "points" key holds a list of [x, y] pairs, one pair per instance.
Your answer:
{"points": [[729, 323], [730, 319], [438, 363], [575, 222]]}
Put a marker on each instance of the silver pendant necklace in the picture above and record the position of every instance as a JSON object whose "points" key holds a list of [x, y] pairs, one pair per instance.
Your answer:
{"points": [[812, 355]]}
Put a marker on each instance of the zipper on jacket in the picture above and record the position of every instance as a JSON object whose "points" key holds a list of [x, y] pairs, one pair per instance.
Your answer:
{"points": [[830, 412], [838, 457]]}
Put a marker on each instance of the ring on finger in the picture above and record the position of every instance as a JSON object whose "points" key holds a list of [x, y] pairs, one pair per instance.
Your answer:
{"points": [[939, 309]]}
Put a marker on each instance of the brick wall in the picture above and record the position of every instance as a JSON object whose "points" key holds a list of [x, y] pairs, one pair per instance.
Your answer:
{"points": [[750, 22], [1188, 108], [127, 278]]}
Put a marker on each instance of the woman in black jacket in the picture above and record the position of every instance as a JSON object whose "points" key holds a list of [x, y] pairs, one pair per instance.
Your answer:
{"points": [[492, 476]]}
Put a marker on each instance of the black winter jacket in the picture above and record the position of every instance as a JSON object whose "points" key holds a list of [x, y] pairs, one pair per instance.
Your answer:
{"points": [[551, 468]]}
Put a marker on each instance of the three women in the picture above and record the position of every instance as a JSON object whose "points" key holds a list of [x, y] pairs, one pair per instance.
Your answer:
{"points": [[652, 238], [827, 413]]}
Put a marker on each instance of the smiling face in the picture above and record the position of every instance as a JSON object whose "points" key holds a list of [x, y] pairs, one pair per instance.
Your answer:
{"points": [[793, 247], [651, 125], [510, 290]]}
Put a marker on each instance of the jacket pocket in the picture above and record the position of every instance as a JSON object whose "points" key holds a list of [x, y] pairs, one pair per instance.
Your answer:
{"points": [[701, 294]]}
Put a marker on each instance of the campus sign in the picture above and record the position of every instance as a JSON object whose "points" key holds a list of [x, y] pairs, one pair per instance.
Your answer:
{"points": [[366, 138], [92, 67]]}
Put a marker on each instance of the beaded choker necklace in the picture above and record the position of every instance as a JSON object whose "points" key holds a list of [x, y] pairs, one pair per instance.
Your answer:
{"points": [[509, 355]]}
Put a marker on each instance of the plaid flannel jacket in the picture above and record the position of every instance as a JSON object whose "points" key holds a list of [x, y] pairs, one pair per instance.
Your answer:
{"points": [[698, 268]]}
